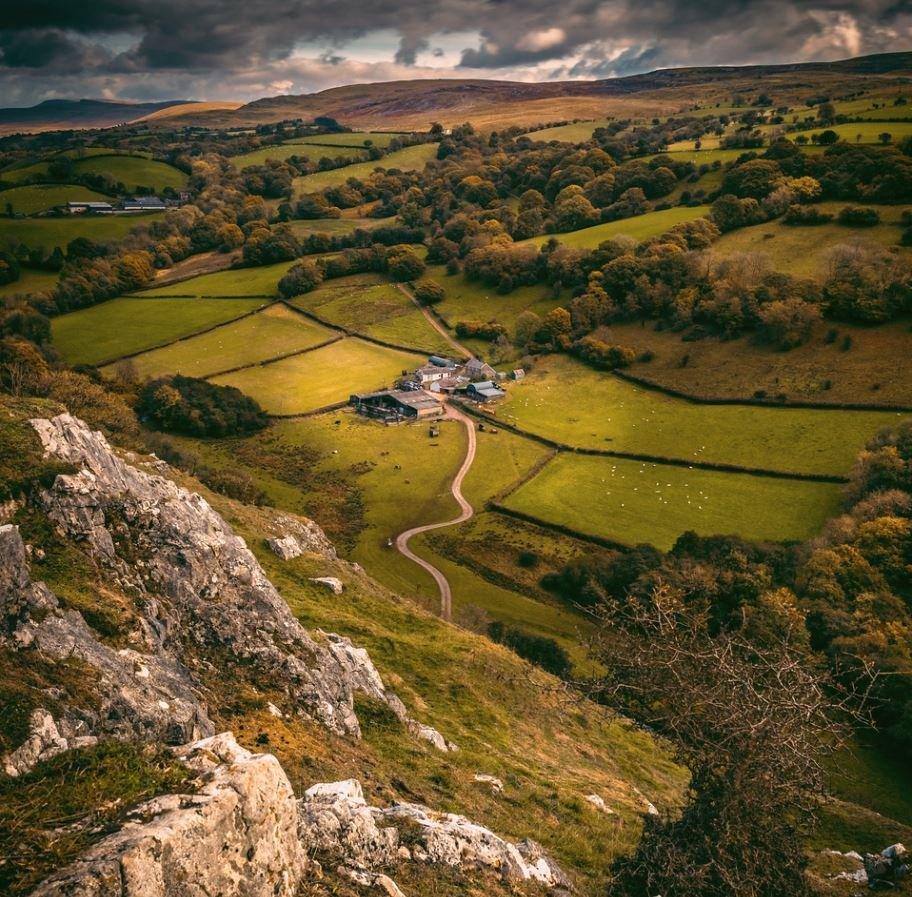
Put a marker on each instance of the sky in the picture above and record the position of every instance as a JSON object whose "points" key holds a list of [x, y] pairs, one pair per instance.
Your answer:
{"points": [[140, 50]]}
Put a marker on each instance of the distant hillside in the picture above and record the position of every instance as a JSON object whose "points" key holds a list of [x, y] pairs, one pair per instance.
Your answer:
{"points": [[54, 115], [488, 103]]}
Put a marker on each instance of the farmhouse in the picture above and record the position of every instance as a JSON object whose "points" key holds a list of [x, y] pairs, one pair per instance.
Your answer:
{"points": [[475, 369], [396, 405]]}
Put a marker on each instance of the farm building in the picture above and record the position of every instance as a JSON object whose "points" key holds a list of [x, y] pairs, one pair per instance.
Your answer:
{"points": [[484, 391], [395, 405], [429, 373], [95, 208], [144, 204]]}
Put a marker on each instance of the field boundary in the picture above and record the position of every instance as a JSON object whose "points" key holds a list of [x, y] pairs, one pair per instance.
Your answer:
{"points": [[601, 541], [325, 409], [180, 339], [654, 459], [357, 334], [273, 359], [670, 391], [530, 474]]}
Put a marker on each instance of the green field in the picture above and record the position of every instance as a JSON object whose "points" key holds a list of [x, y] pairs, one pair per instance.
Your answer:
{"points": [[35, 198], [356, 138], [274, 331], [575, 132], [133, 171], [30, 282], [51, 232], [370, 304], [571, 403], [875, 369], [640, 227], [333, 226], [261, 281], [473, 301], [862, 132], [802, 250], [409, 159], [287, 150], [633, 502], [16, 173], [126, 325], [322, 377]]}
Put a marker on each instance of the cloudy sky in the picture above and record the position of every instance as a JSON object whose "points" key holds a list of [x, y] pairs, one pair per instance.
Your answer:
{"points": [[244, 49]]}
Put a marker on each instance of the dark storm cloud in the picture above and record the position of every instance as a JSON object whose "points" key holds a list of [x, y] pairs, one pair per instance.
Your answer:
{"points": [[195, 44]]}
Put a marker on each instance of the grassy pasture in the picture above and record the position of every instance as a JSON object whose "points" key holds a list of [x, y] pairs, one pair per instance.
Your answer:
{"points": [[33, 198], [640, 227], [868, 131], [575, 132], [802, 250], [322, 377], [472, 301], [569, 402], [409, 159], [274, 331], [354, 139], [133, 171], [368, 303], [634, 502], [29, 282], [877, 367], [287, 150], [334, 226], [18, 172], [260, 281], [51, 232], [125, 325]]}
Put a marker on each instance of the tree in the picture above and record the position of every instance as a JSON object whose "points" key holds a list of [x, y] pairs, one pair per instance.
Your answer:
{"points": [[526, 328], [788, 322], [826, 112], [302, 277], [885, 137], [403, 264], [750, 719], [429, 292]]}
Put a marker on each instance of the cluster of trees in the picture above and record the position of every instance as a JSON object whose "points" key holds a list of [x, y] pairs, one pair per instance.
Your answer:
{"points": [[193, 407]]}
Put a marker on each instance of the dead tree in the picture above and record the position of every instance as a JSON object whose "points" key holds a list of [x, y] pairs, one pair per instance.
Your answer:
{"points": [[750, 721]]}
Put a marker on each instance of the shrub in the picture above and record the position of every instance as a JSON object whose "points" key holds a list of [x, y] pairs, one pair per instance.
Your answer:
{"points": [[488, 331], [788, 322], [403, 264], [543, 652], [856, 216], [602, 355], [802, 216], [429, 292]]}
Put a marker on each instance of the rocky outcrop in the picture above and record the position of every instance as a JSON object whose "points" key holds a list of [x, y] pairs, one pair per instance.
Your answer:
{"points": [[45, 740], [204, 604], [235, 836], [297, 536], [333, 583], [339, 825]]}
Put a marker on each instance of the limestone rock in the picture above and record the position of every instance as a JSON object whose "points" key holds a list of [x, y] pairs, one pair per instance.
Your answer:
{"points": [[495, 783], [286, 547], [195, 584], [599, 803], [336, 821], [236, 836], [334, 584], [44, 741]]}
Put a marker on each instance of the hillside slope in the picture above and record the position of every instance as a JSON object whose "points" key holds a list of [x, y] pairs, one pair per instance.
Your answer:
{"points": [[489, 103], [58, 115], [133, 615]]}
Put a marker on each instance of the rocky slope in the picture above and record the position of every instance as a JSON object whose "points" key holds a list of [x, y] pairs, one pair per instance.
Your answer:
{"points": [[174, 632]]}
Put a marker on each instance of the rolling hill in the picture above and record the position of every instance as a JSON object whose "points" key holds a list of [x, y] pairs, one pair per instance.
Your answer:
{"points": [[55, 115]]}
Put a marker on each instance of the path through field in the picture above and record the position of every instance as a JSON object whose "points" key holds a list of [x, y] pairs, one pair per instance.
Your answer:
{"points": [[459, 348], [467, 511]]}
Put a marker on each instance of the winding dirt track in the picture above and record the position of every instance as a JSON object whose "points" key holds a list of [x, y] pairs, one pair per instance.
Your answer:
{"points": [[467, 511], [453, 343]]}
